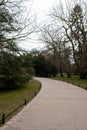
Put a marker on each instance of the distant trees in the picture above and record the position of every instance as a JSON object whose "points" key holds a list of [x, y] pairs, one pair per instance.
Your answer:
{"points": [[57, 50], [26, 63], [78, 38], [43, 67], [68, 37]]}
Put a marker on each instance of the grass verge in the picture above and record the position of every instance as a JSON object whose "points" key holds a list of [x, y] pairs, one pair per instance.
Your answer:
{"points": [[9, 100], [74, 80]]}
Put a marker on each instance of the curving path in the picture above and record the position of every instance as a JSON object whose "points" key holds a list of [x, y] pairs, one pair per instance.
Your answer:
{"points": [[58, 106]]}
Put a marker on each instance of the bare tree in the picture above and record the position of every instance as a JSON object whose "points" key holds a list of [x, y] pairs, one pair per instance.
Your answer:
{"points": [[15, 22], [74, 24], [57, 49]]}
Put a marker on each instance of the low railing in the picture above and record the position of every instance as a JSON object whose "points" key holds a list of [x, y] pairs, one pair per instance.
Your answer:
{"points": [[5, 116]]}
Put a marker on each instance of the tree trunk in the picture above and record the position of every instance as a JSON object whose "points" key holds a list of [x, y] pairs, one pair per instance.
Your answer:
{"points": [[61, 71], [82, 73]]}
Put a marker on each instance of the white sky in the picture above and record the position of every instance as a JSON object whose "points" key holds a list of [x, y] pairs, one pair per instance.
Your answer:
{"points": [[41, 9], [42, 6]]}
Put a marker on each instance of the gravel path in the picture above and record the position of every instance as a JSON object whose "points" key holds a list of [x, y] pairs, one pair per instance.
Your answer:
{"points": [[58, 106]]}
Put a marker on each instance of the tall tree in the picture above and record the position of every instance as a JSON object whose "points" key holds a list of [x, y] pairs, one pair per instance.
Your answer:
{"points": [[74, 23], [79, 39], [56, 46], [12, 28]]}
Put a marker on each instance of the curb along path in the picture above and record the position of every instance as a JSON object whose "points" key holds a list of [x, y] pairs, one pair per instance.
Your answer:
{"points": [[58, 106]]}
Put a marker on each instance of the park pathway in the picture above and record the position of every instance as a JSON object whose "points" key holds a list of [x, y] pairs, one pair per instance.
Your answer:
{"points": [[58, 106]]}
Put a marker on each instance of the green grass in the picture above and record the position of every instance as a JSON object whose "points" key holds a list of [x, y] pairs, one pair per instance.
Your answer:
{"points": [[9, 100], [74, 80]]}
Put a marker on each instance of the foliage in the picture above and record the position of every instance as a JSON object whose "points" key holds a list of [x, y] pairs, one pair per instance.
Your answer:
{"points": [[43, 67], [10, 64], [26, 59], [15, 70], [13, 81]]}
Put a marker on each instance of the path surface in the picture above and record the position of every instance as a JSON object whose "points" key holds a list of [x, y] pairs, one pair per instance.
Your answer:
{"points": [[58, 106]]}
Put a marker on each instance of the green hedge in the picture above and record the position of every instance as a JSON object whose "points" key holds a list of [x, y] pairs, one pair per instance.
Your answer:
{"points": [[13, 81]]}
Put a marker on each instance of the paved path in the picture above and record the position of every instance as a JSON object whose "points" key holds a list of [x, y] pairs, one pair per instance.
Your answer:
{"points": [[58, 106]]}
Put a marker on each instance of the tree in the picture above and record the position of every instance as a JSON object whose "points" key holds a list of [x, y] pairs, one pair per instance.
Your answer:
{"points": [[12, 28], [8, 46], [14, 25], [43, 67], [56, 48], [26, 63], [73, 23], [79, 39]]}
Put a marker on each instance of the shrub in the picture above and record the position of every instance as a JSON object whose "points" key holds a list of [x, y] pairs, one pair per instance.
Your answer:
{"points": [[43, 67], [13, 81]]}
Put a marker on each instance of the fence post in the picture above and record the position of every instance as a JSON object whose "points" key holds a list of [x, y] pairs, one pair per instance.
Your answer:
{"points": [[39, 88], [35, 93], [3, 118], [25, 101]]}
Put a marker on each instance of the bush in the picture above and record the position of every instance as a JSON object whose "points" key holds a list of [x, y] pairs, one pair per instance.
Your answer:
{"points": [[43, 67], [13, 81]]}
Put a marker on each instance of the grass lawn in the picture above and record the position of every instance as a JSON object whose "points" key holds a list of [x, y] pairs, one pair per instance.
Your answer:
{"points": [[74, 80], [9, 100]]}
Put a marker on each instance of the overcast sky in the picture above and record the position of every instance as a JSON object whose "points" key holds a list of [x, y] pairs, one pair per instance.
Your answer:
{"points": [[41, 9]]}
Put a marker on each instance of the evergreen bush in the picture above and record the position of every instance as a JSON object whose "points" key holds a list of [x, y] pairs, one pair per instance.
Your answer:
{"points": [[13, 81]]}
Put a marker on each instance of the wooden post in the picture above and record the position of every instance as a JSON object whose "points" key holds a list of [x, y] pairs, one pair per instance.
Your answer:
{"points": [[35, 93], [3, 118], [25, 101]]}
